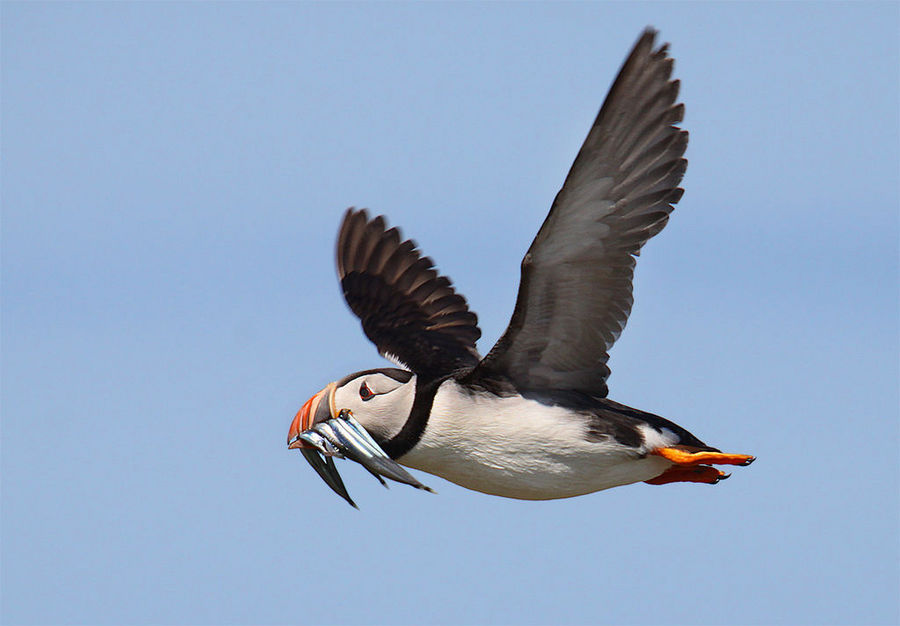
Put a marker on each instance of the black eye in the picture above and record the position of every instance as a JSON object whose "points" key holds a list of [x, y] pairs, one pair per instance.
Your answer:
{"points": [[365, 393]]}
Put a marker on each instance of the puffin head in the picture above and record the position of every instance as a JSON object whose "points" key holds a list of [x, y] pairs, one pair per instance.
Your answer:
{"points": [[380, 399]]}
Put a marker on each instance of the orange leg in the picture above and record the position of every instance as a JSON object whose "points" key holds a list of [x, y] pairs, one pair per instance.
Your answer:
{"points": [[689, 474]]}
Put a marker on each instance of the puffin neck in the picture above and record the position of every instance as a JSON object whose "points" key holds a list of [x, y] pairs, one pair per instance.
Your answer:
{"points": [[415, 424]]}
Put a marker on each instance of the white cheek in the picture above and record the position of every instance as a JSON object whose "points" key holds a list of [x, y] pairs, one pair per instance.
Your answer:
{"points": [[346, 399], [384, 414]]}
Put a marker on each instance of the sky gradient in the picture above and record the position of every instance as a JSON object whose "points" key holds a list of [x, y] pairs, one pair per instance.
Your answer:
{"points": [[173, 176]]}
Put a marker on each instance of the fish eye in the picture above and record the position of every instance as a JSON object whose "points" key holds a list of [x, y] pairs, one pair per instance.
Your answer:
{"points": [[365, 393]]}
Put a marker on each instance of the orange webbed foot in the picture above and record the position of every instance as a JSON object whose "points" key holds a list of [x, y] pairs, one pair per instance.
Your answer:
{"points": [[689, 474], [693, 466], [685, 456]]}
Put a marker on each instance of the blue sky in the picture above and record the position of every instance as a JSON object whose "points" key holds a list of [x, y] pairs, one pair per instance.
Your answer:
{"points": [[172, 180]]}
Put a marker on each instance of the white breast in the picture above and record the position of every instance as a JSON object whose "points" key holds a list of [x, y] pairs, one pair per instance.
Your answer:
{"points": [[520, 448]]}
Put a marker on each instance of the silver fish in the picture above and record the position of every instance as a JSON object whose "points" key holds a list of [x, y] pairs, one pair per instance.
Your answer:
{"points": [[350, 446], [345, 437], [326, 429], [378, 460], [321, 443], [326, 469], [375, 461], [347, 415], [317, 440]]}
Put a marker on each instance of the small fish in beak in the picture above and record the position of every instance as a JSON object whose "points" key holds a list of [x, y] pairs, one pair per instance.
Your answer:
{"points": [[358, 445], [322, 433], [325, 468]]}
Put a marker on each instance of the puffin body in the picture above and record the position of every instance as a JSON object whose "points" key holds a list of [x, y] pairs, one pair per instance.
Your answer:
{"points": [[528, 449], [531, 419]]}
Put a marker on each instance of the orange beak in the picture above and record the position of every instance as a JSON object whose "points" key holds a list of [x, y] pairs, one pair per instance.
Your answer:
{"points": [[317, 409]]}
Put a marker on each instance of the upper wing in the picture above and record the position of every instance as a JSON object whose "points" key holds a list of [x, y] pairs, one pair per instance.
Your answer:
{"points": [[407, 310], [575, 291]]}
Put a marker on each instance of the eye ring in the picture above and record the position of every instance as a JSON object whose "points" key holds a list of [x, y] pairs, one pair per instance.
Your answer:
{"points": [[365, 393]]}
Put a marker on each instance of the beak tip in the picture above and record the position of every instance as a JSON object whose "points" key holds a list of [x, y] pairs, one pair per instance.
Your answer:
{"points": [[307, 416]]}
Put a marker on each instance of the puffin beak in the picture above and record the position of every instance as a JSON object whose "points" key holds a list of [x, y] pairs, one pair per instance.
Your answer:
{"points": [[317, 409], [321, 432]]}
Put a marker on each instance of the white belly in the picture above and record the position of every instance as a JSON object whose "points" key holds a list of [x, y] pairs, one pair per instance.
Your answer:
{"points": [[520, 448]]}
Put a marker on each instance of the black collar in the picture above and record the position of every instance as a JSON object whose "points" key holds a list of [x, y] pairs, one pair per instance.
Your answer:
{"points": [[415, 424]]}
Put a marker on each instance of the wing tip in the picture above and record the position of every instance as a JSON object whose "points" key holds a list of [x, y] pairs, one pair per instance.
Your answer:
{"points": [[646, 43]]}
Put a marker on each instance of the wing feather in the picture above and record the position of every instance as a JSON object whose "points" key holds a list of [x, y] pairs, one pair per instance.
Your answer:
{"points": [[575, 293], [410, 312]]}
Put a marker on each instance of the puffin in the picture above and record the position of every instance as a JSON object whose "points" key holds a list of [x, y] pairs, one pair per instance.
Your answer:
{"points": [[531, 419]]}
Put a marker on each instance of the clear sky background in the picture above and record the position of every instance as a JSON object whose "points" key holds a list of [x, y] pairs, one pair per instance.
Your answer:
{"points": [[173, 176]]}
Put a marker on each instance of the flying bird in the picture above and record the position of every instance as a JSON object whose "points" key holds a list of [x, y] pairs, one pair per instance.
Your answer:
{"points": [[531, 419]]}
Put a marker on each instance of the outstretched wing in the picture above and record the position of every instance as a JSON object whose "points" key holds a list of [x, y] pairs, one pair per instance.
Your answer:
{"points": [[575, 292], [410, 312]]}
